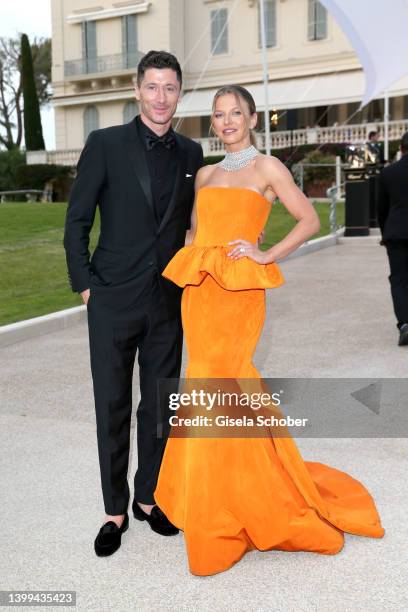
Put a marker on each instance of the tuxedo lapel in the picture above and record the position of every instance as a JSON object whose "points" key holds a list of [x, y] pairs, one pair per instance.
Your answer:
{"points": [[137, 156], [181, 153]]}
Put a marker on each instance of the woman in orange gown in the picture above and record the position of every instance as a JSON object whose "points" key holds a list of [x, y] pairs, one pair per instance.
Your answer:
{"points": [[230, 495]]}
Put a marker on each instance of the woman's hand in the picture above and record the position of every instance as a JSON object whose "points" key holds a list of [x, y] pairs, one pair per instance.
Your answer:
{"points": [[244, 248]]}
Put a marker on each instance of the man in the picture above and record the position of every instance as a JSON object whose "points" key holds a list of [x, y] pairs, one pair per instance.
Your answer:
{"points": [[374, 150], [393, 221], [141, 175]]}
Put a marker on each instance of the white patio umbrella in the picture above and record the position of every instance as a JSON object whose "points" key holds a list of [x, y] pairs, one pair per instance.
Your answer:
{"points": [[377, 30]]}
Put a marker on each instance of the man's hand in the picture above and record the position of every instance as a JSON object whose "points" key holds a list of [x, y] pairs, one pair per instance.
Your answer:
{"points": [[85, 295]]}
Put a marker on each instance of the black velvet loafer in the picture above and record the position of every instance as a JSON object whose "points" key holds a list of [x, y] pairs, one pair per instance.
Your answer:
{"points": [[157, 520], [403, 339], [109, 537]]}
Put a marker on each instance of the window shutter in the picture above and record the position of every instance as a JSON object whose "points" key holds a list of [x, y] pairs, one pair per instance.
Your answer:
{"points": [[311, 20], [91, 39], [124, 36], [89, 51], [317, 20], [129, 111], [129, 41], [91, 120], [83, 34], [321, 21], [219, 31]]}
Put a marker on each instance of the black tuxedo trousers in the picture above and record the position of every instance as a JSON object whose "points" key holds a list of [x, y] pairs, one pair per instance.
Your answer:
{"points": [[397, 251], [392, 205], [123, 324]]}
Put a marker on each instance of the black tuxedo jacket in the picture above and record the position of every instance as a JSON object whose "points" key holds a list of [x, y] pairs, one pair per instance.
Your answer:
{"points": [[112, 173], [392, 200]]}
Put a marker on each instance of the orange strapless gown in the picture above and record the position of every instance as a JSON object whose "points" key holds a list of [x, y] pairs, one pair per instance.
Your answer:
{"points": [[232, 495]]}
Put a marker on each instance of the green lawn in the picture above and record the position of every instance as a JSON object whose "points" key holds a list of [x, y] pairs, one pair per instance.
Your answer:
{"points": [[33, 277], [280, 222]]}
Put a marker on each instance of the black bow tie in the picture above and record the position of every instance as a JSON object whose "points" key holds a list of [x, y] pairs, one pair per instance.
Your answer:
{"points": [[167, 141]]}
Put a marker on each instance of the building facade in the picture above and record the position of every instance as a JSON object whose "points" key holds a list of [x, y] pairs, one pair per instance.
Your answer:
{"points": [[315, 78]]}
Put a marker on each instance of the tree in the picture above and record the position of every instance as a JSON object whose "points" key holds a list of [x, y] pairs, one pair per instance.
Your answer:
{"points": [[10, 94], [11, 104], [41, 52], [33, 133]]}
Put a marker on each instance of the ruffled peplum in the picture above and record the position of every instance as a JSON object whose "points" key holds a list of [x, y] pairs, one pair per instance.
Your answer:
{"points": [[192, 264]]}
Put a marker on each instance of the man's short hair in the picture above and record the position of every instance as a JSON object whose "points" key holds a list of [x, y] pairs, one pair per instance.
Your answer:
{"points": [[160, 60], [404, 143], [371, 134]]}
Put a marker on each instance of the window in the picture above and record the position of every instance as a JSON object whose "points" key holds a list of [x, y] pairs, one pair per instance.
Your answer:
{"points": [[129, 111], [321, 113], [377, 109], [405, 107], [219, 31], [270, 23], [91, 120], [353, 116], [129, 41], [317, 21], [205, 127], [89, 51]]}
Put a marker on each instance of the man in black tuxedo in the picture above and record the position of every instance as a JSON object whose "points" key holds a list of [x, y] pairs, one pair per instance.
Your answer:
{"points": [[393, 221], [374, 148], [141, 175]]}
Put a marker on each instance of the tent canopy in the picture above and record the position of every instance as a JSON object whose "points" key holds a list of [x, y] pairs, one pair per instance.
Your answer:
{"points": [[377, 32], [334, 88]]}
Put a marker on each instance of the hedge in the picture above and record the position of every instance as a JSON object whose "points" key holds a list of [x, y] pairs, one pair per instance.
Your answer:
{"points": [[10, 161]]}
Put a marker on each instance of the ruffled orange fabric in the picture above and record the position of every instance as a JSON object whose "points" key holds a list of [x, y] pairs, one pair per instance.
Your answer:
{"points": [[192, 264], [233, 495]]}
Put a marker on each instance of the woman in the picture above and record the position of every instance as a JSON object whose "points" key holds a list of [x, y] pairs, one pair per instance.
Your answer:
{"points": [[231, 495]]}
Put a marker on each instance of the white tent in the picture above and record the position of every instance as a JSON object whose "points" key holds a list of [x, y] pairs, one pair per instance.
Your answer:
{"points": [[377, 32], [377, 29]]}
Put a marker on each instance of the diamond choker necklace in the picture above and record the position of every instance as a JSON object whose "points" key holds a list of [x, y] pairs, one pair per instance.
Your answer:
{"points": [[239, 159]]}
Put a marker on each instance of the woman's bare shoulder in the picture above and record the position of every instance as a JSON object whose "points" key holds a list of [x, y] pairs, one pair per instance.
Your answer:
{"points": [[269, 161], [270, 164], [204, 174]]}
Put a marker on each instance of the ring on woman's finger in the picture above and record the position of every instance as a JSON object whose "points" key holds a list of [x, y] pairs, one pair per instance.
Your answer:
{"points": [[242, 249]]}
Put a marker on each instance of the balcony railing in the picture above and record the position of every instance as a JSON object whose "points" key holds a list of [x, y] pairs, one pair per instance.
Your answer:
{"points": [[355, 134], [104, 63]]}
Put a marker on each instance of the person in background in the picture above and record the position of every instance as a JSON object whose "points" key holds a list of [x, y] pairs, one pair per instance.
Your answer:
{"points": [[392, 205], [375, 153]]}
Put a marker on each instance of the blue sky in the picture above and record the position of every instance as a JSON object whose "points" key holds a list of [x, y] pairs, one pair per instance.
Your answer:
{"points": [[33, 17]]}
